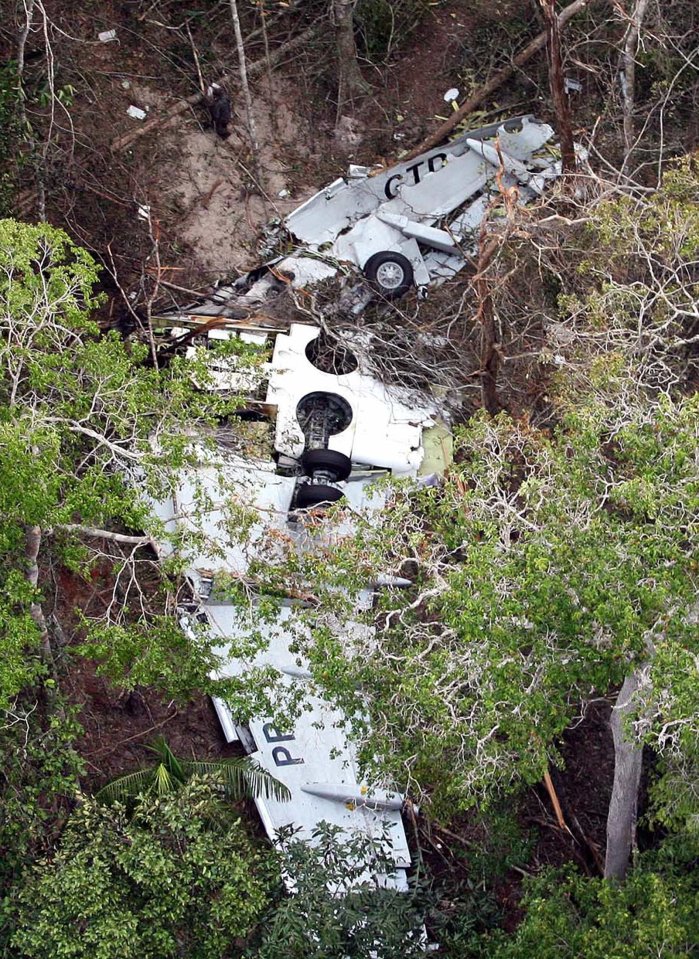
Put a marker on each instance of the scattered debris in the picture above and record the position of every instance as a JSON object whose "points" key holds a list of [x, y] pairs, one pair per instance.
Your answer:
{"points": [[452, 96], [357, 172], [571, 85], [497, 79], [137, 113], [277, 55], [107, 36]]}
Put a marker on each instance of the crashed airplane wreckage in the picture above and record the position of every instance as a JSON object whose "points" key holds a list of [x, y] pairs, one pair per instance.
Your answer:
{"points": [[336, 430], [334, 435], [412, 225]]}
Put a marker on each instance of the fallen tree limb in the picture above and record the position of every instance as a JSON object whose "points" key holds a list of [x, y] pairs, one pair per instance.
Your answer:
{"points": [[553, 796], [276, 56], [495, 82]]}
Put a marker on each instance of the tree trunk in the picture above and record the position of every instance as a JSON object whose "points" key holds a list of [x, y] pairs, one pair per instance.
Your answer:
{"points": [[557, 85], [32, 545], [245, 85], [489, 347], [628, 76], [350, 82], [623, 806]]}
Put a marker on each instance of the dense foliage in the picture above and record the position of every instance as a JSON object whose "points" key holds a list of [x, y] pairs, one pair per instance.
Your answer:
{"points": [[654, 915], [177, 877], [318, 921], [546, 566]]}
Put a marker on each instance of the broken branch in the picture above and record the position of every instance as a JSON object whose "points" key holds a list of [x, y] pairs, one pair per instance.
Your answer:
{"points": [[108, 534], [553, 795]]}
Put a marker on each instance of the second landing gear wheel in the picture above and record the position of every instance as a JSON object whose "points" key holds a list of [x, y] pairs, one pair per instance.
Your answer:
{"points": [[391, 274], [311, 494], [336, 466]]}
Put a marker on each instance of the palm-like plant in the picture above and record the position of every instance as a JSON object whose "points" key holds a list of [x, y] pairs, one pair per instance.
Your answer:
{"points": [[241, 778]]}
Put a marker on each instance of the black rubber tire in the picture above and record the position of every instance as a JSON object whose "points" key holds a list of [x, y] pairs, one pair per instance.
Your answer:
{"points": [[310, 495], [373, 272], [336, 464]]}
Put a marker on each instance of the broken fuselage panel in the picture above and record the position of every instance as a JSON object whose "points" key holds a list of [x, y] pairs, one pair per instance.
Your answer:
{"points": [[395, 211]]}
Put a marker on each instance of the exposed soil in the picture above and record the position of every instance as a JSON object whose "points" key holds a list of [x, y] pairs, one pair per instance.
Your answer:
{"points": [[584, 787], [118, 727], [455, 854]]}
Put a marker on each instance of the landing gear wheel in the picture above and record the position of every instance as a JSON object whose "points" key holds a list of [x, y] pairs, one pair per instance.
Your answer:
{"points": [[391, 274], [336, 465], [310, 495]]}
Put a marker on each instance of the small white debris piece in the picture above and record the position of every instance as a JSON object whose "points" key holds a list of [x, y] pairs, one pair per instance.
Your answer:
{"points": [[284, 194], [451, 96], [571, 85], [136, 112], [126, 84], [144, 212], [357, 172], [107, 36]]}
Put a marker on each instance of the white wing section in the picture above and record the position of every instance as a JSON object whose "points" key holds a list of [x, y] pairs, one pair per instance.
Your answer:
{"points": [[312, 757]]}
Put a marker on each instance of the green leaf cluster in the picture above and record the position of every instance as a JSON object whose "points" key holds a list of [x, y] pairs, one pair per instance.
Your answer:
{"points": [[321, 919], [174, 878], [653, 915], [545, 564]]}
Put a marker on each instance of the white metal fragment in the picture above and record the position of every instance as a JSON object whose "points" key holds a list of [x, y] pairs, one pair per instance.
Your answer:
{"points": [[386, 429], [136, 112]]}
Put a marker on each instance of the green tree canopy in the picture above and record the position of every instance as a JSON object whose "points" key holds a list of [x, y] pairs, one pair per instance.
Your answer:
{"points": [[90, 428], [653, 915], [545, 566], [176, 878]]}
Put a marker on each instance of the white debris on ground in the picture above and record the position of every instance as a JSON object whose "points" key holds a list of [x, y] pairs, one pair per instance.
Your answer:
{"points": [[136, 113]]}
